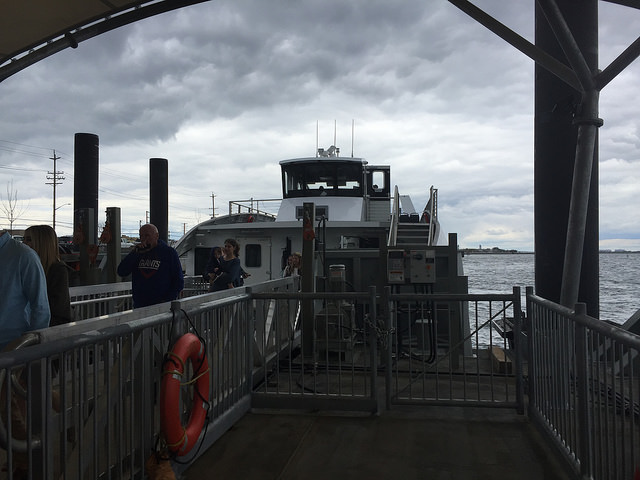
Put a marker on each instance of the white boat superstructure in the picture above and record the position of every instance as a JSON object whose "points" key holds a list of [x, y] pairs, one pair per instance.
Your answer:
{"points": [[357, 216]]}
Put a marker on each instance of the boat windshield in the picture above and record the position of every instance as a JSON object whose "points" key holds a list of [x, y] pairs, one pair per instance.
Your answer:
{"points": [[322, 178]]}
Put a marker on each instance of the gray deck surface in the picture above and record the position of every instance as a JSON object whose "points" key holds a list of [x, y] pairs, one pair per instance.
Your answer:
{"points": [[434, 443]]}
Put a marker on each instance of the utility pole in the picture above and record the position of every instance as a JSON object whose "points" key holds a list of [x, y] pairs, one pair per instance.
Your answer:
{"points": [[56, 179], [213, 205]]}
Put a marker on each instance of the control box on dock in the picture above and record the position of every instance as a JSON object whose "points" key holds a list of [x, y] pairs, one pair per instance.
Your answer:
{"points": [[413, 266]]}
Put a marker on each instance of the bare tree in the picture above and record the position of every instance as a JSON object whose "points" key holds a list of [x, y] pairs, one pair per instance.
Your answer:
{"points": [[10, 207]]}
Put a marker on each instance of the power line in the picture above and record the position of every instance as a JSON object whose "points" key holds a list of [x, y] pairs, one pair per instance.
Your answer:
{"points": [[21, 169]]}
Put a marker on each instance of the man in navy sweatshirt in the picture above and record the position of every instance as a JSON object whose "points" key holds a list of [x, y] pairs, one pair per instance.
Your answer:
{"points": [[156, 273]]}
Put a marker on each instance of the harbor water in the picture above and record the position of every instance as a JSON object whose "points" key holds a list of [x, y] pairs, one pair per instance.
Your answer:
{"points": [[619, 279]]}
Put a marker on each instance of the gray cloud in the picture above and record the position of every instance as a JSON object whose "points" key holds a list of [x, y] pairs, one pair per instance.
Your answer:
{"points": [[226, 89]]}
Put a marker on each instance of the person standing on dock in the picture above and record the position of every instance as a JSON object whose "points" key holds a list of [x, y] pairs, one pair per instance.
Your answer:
{"points": [[24, 304], [294, 265], [156, 273], [230, 272], [213, 265], [43, 239]]}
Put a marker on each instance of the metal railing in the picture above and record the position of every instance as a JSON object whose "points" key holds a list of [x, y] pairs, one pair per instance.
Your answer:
{"points": [[584, 389], [395, 218], [327, 362], [431, 211], [252, 205], [438, 358], [95, 300], [90, 301], [82, 401], [87, 393]]}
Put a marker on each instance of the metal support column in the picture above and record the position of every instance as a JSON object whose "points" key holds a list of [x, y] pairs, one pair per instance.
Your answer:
{"points": [[566, 210]]}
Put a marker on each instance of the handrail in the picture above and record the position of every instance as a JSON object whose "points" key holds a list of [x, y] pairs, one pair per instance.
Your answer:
{"points": [[431, 212], [583, 387], [395, 218], [250, 208]]}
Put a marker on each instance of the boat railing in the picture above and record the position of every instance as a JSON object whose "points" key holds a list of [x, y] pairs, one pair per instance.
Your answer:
{"points": [[395, 218], [253, 205], [584, 388], [430, 213]]}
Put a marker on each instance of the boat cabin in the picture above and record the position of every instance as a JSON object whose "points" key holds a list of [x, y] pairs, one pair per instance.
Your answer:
{"points": [[343, 188]]}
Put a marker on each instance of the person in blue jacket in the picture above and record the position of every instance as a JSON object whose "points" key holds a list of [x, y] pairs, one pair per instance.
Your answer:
{"points": [[230, 271], [154, 266], [24, 305]]}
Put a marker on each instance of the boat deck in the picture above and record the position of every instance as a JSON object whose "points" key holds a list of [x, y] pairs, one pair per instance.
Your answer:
{"points": [[435, 443]]}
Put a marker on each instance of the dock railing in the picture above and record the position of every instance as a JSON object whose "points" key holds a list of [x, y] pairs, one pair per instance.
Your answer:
{"points": [[95, 300], [584, 389], [445, 349], [91, 301], [81, 401]]}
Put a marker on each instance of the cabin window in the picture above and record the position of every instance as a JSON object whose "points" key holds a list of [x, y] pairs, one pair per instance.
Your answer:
{"points": [[293, 182], [378, 181], [322, 178], [253, 255]]}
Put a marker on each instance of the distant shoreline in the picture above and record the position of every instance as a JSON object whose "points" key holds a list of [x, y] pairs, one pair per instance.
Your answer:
{"points": [[488, 251], [500, 251]]}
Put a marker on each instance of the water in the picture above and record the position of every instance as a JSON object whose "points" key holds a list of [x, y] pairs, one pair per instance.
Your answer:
{"points": [[619, 279]]}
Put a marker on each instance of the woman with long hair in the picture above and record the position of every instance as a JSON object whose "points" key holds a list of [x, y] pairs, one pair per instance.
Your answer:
{"points": [[43, 239], [230, 270]]}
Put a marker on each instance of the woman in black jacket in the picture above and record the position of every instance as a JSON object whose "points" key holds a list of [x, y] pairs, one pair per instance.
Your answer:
{"points": [[43, 239]]}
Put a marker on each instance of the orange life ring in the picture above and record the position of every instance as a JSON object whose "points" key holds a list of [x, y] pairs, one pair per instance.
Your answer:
{"points": [[182, 439]]}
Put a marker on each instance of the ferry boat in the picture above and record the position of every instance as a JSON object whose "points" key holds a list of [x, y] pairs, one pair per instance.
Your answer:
{"points": [[359, 222]]}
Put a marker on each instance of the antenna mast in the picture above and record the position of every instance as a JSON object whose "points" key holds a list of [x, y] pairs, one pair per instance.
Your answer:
{"points": [[317, 145], [352, 127]]}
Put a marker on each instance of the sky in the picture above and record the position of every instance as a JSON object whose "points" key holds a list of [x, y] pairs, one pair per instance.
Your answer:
{"points": [[226, 89]]}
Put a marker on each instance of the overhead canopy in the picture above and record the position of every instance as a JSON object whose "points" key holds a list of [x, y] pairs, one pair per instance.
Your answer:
{"points": [[31, 30]]}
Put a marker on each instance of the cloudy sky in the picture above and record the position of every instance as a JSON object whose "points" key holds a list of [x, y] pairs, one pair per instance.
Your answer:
{"points": [[227, 89]]}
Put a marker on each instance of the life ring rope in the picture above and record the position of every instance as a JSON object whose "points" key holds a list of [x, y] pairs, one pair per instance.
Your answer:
{"points": [[194, 379], [171, 446], [180, 371]]}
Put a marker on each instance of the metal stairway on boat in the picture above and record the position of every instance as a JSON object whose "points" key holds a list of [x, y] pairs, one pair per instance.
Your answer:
{"points": [[410, 229], [412, 235]]}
